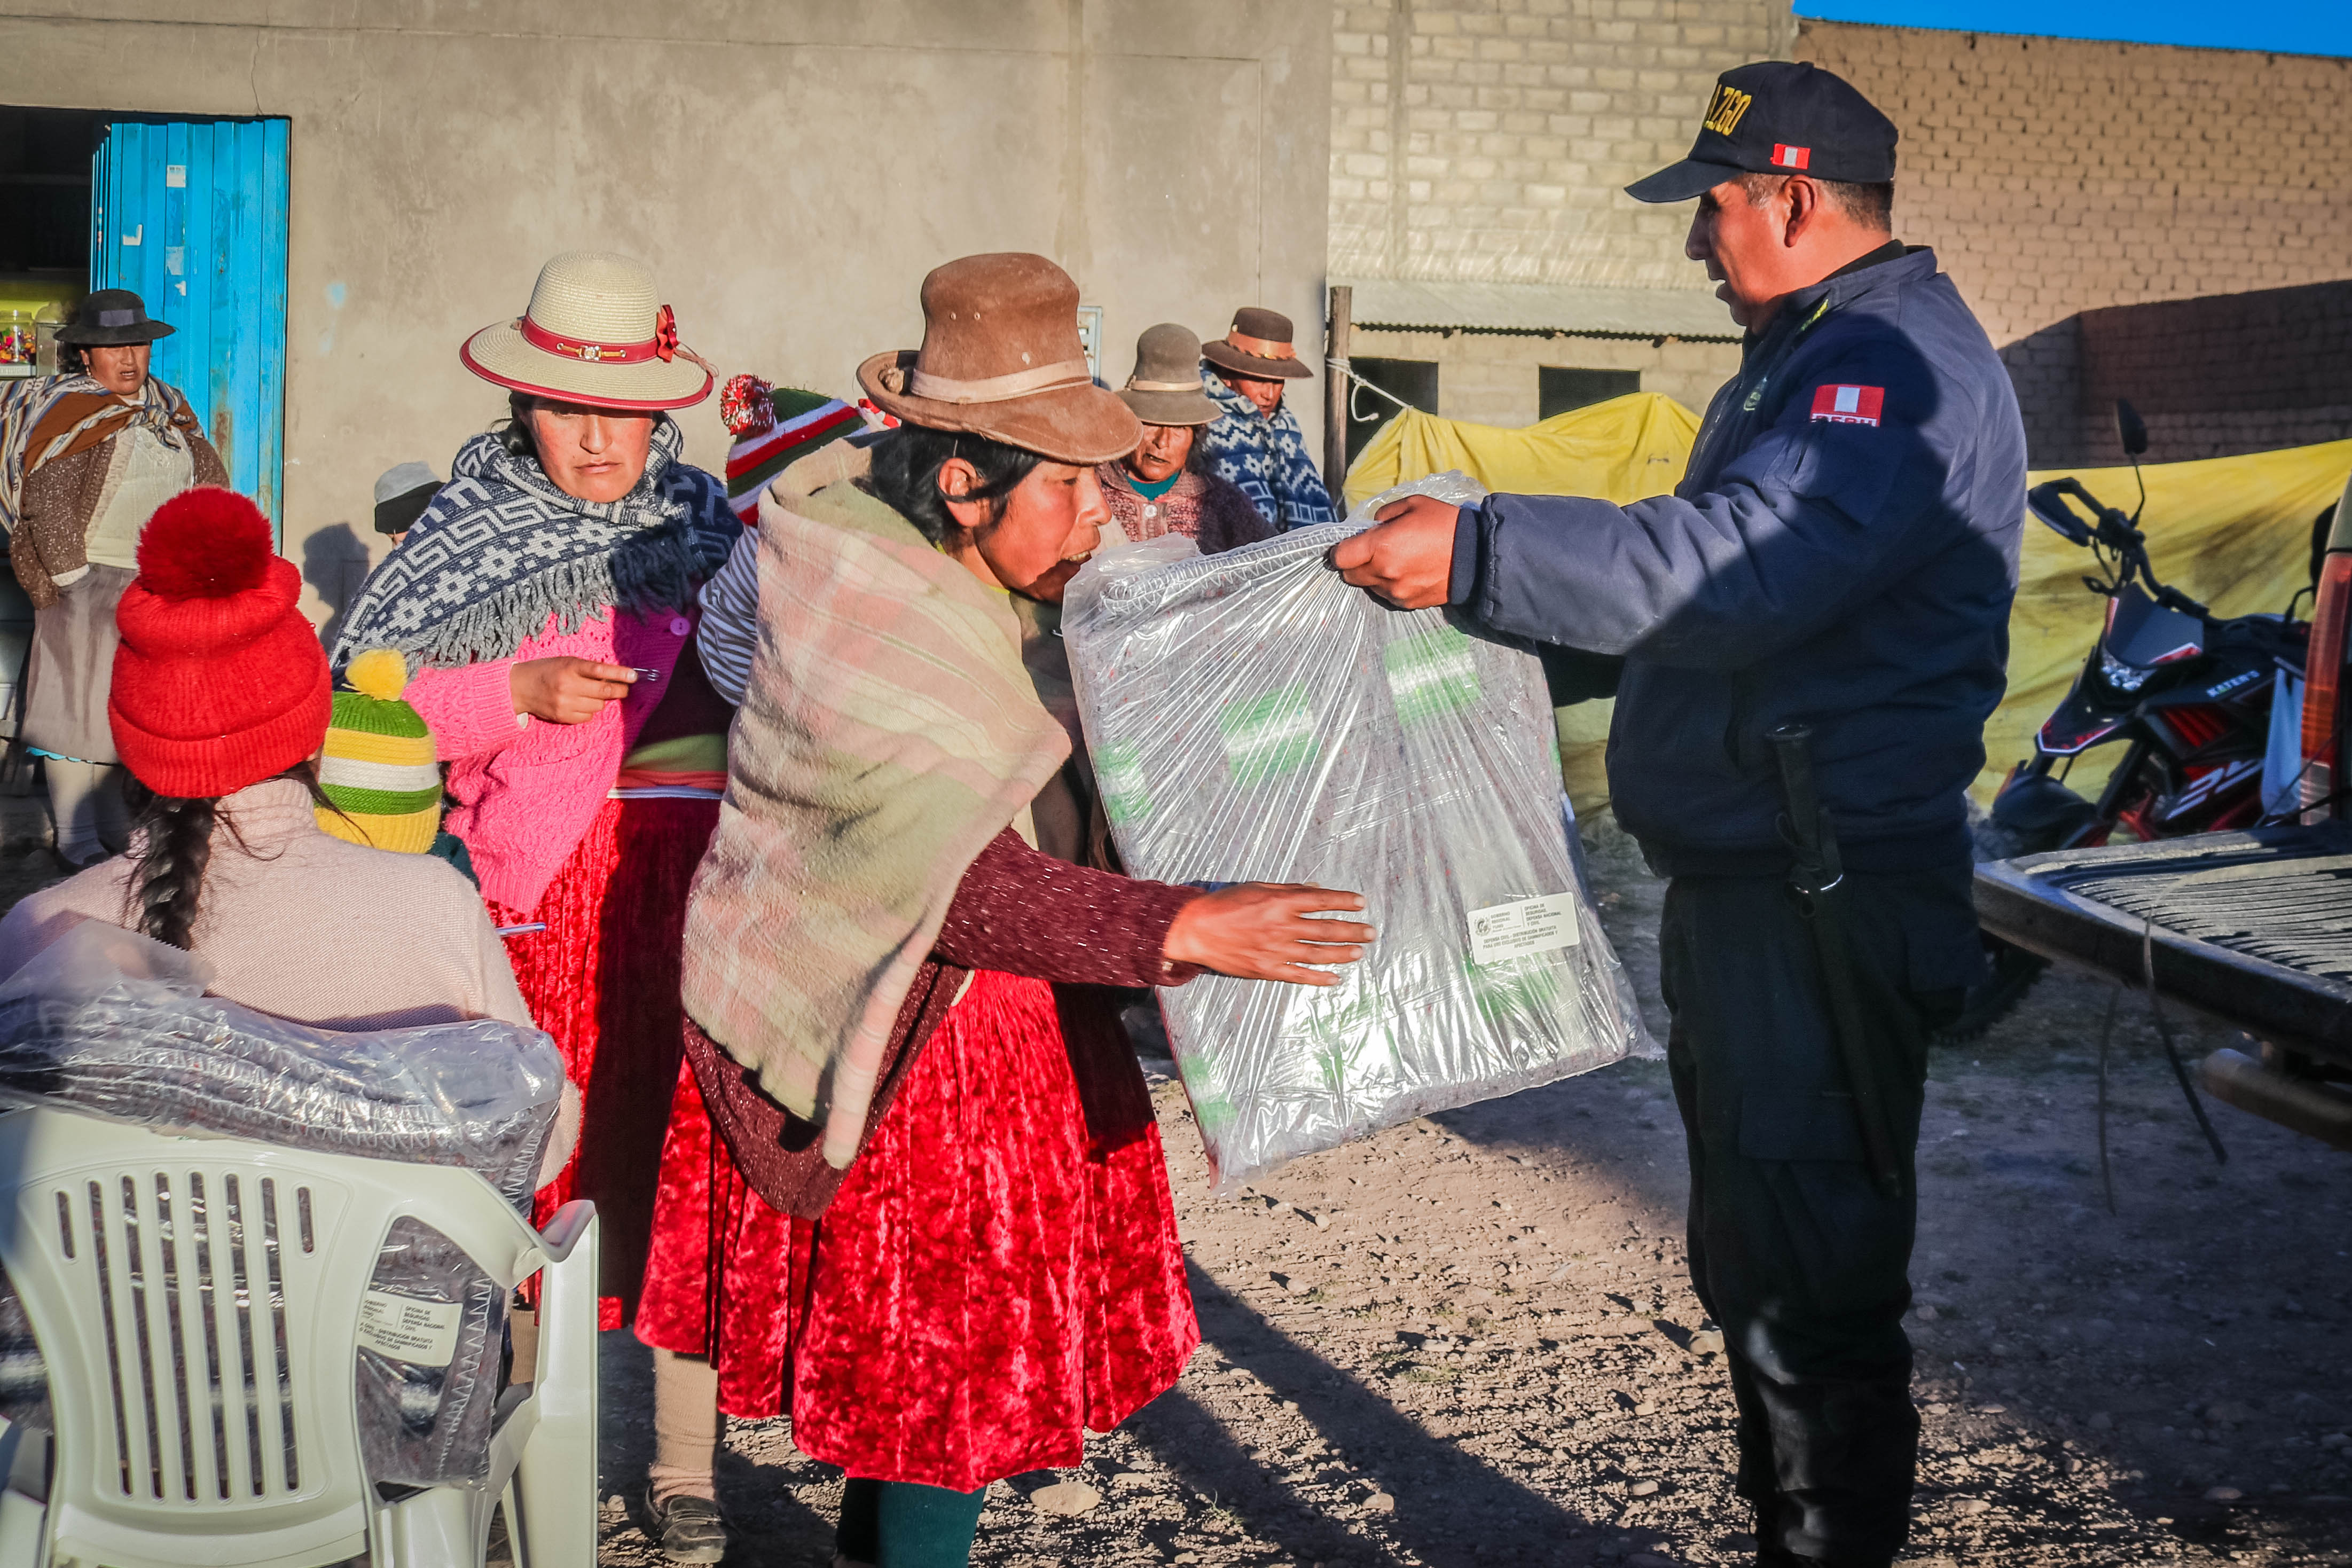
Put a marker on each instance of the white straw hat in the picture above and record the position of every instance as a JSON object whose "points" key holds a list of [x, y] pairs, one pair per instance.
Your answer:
{"points": [[596, 333]]}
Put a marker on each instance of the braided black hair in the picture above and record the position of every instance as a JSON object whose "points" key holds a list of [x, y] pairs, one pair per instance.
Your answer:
{"points": [[178, 844], [175, 836]]}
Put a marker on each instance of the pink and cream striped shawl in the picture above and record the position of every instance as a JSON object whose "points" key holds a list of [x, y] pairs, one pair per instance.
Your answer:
{"points": [[889, 732]]}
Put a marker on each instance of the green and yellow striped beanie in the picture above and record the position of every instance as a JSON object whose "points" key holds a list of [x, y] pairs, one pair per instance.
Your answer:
{"points": [[379, 767]]}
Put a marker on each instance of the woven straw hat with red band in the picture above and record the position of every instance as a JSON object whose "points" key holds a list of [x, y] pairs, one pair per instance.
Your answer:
{"points": [[219, 682], [596, 333]]}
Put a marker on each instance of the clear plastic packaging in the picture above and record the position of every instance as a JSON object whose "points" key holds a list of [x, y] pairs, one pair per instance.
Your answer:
{"points": [[108, 1023], [1253, 718]]}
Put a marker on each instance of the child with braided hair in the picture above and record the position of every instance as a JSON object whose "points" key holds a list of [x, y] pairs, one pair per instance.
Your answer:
{"points": [[219, 706]]}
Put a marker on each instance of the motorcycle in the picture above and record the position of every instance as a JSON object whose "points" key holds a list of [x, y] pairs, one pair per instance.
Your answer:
{"points": [[2187, 694]]}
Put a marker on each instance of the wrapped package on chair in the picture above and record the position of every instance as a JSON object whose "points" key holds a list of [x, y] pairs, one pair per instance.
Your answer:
{"points": [[108, 1023], [1253, 718]]}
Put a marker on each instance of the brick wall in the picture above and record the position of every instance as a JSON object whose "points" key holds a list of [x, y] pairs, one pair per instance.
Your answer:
{"points": [[1487, 141], [2056, 177]]}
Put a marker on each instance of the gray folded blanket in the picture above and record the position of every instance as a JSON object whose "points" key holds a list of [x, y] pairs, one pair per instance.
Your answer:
{"points": [[107, 1022]]}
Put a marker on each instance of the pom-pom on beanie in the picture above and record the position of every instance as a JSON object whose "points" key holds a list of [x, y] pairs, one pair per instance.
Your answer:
{"points": [[380, 768], [219, 682]]}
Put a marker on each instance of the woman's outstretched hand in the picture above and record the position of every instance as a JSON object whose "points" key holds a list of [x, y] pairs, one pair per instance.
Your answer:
{"points": [[1268, 930], [565, 690]]}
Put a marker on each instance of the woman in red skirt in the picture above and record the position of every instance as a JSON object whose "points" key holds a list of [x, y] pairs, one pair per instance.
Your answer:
{"points": [[549, 593], [939, 1233]]}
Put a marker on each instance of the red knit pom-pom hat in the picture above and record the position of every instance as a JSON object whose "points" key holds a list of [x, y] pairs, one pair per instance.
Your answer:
{"points": [[219, 681]]}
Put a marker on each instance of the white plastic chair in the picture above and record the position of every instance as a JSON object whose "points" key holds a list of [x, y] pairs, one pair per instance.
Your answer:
{"points": [[198, 1302]]}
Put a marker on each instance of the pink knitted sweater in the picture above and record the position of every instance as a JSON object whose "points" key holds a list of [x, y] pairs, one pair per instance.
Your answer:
{"points": [[526, 790]]}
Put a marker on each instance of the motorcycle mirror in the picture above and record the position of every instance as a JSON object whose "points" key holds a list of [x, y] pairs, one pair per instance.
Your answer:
{"points": [[2130, 428]]}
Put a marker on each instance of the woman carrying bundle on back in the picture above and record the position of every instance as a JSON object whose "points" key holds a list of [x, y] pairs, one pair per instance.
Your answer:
{"points": [[908, 1044]]}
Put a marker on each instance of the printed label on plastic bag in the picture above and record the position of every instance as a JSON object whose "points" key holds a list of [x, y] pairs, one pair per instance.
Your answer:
{"points": [[1523, 926], [422, 1333]]}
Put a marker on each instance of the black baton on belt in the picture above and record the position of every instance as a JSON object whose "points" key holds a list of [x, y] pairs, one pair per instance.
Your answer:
{"points": [[1819, 880]]}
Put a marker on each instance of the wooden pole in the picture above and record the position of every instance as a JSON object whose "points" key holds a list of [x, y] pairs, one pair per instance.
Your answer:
{"points": [[1335, 394]]}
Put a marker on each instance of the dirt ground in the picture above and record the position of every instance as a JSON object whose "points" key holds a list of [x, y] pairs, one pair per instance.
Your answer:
{"points": [[1470, 1341]]}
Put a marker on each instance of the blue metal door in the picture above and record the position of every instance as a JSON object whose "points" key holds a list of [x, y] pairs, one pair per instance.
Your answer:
{"points": [[192, 215]]}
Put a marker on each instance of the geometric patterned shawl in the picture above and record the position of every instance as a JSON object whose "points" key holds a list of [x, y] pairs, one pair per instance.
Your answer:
{"points": [[500, 549], [1265, 458]]}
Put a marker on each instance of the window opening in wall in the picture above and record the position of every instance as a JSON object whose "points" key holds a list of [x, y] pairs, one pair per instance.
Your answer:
{"points": [[1412, 381], [1560, 390]]}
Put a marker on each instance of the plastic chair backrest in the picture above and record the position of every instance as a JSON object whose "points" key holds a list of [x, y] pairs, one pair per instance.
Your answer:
{"points": [[197, 1301]]}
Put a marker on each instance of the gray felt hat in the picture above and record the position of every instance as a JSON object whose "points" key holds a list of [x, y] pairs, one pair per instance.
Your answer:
{"points": [[1166, 387], [402, 495]]}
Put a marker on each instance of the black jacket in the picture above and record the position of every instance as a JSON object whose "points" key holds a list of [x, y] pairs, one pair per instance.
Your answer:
{"points": [[1842, 551]]}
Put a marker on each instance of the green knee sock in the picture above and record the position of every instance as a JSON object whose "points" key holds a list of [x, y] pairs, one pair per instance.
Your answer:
{"points": [[899, 1524]]}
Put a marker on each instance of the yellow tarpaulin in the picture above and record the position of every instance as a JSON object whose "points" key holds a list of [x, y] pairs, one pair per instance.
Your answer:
{"points": [[2234, 533], [1620, 450]]}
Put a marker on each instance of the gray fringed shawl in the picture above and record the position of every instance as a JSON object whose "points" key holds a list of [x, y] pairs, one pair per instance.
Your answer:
{"points": [[501, 549]]}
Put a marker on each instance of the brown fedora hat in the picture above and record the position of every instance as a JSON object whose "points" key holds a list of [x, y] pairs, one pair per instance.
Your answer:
{"points": [[1259, 345], [1166, 387], [1000, 358]]}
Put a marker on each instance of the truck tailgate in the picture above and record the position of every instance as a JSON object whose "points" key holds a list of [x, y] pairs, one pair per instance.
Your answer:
{"points": [[2253, 928]]}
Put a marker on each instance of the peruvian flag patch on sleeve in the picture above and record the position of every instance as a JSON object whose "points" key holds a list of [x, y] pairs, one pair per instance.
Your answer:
{"points": [[1848, 405]]}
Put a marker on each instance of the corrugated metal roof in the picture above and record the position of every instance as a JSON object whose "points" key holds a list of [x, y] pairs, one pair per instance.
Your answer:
{"points": [[1398, 305]]}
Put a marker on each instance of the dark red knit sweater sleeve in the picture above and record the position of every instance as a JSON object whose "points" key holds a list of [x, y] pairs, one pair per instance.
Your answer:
{"points": [[1020, 912]]}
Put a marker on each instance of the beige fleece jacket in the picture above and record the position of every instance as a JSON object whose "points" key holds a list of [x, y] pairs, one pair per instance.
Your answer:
{"points": [[305, 926]]}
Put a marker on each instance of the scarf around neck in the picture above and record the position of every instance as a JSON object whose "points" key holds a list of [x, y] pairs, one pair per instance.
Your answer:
{"points": [[56, 415], [500, 550]]}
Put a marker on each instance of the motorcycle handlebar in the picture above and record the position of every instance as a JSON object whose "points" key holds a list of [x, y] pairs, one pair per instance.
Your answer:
{"points": [[2047, 501], [2050, 501]]}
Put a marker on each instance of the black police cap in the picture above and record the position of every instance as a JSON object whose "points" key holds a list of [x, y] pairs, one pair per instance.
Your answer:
{"points": [[1780, 116]]}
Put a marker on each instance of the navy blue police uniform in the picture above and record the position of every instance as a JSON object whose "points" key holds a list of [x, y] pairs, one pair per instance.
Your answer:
{"points": [[1843, 553]]}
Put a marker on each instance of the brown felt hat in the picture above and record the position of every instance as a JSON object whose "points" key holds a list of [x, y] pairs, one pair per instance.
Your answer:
{"points": [[1259, 345], [1166, 387], [1002, 358]]}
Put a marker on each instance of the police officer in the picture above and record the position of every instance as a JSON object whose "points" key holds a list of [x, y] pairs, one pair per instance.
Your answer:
{"points": [[1842, 553]]}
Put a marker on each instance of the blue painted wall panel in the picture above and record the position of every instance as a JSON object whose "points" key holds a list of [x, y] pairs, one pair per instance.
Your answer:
{"points": [[192, 213]]}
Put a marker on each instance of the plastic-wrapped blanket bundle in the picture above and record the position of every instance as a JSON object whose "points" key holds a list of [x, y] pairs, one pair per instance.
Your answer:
{"points": [[1253, 718], [111, 1023]]}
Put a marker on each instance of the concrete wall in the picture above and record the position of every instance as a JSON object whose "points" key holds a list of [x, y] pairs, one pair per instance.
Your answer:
{"points": [[1492, 377], [789, 169], [2057, 176]]}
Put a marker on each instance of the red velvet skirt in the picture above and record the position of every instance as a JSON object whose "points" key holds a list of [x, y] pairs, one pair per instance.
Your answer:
{"points": [[985, 1286], [604, 979]]}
